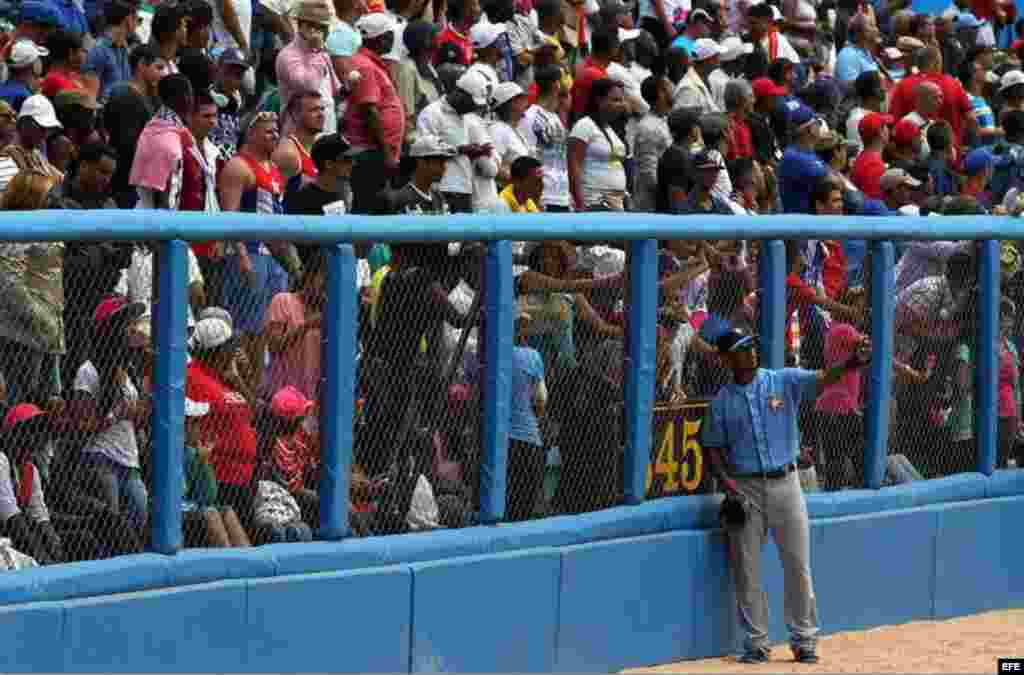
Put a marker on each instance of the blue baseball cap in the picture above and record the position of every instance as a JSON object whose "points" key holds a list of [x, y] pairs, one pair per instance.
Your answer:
{"points": [[800, 115], [978, 160], [39, 11], [968, 20], [344, 41]]}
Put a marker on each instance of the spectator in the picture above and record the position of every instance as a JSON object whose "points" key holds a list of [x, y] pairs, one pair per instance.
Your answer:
{"points": [[870, 98], [304, 66], [693, 91], [25, 69], [869, 166], [597, 176], [199, 170], [157, 166], [739, 103], [416, 79], [510, 103], [127, 112], [31, 279], [421, 194], [526, 187], [604, 46], [488, 41], [109, 60], [769, 43], [941, 156], [1009, 388], [67, 56], [374, 121], [169, 33], [452, 118], [231, 70], [293, 335], [252, 183], [109, 406], [542, 128], [527, 457], [857, 57], [800, 168], [701, 200], [978, 167], [649, 137], [328, 194], [228, 428], [292, 155], [956, 107], [698, 27], [37, 20], [89, 187], [200, 26], [296, 456], [462, 15]]}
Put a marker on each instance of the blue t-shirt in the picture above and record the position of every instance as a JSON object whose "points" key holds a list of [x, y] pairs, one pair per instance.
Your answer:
{"points": [[527, 374], [851, 62], [798, 174]]}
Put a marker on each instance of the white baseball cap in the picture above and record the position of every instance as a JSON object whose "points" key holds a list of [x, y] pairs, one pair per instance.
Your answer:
{"points": [[211, 333], [476, 84], [483, 34], [1011, 79], [505, 92], [196, 408], [625, 35], [25, 53], [429, 145], [40, 110], [705, 49], [375, 24], [734, 47]]}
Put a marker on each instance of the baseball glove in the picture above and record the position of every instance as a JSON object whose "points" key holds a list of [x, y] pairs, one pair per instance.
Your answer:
{"points": [[733, 512]]}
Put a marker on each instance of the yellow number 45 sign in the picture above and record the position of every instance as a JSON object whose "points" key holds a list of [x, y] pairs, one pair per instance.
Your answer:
{"points": [[679, 466]]}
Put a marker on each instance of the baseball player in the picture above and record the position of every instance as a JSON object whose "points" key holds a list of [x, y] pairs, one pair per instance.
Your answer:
{"points": [[752, 441]]}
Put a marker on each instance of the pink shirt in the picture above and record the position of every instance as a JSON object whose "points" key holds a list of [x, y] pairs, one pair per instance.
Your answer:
{"points": [[299, 366], [1007, 377], [843, 397], [374, 86]]}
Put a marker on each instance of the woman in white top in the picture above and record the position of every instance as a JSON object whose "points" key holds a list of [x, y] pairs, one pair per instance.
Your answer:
{"points": [[596, 154], [510, 103]]}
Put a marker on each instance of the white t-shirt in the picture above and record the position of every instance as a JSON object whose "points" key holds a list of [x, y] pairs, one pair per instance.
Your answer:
{"points": [[853, 129], [36, 509], [508, 143], [117, 442], [603, 169], [630, 86], [136, 280], [544, 131], [219, 35]]}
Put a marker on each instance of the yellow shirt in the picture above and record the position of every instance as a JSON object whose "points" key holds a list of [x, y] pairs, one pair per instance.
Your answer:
{"points": [[508, 195]]}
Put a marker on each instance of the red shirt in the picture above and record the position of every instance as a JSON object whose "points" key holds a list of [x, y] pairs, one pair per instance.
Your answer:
{"points": [[375, 88], [228, 425], [57, 81], [955, 103], [589, 73], [293, 457], [867, 173], [741, 140], [834, 275], [798, 294], [461, 41]]}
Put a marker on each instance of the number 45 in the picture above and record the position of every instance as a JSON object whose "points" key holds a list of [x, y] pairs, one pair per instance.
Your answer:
{"points": [[676, 474]]}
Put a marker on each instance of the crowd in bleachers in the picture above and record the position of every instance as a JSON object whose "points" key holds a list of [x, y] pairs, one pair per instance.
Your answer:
{"points": [[317, 107]]}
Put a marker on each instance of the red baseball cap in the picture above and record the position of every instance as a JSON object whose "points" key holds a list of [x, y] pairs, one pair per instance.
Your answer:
{"points": [[764, 87], [21, 413], [871, 125], [114, 305], [290, 403], [905, 132]]}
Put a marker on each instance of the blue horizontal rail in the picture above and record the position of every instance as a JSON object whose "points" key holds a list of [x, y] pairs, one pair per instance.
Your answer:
{"points": [[138, 225]]}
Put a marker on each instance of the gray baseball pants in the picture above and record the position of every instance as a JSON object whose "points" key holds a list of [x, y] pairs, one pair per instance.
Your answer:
{"points": [[777, 505]]}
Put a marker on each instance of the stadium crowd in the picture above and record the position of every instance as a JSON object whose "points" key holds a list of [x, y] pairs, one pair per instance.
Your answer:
{"points": [[727, 107]]}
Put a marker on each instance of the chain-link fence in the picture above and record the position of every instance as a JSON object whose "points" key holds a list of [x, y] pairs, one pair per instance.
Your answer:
{"points": [[76, 476]]}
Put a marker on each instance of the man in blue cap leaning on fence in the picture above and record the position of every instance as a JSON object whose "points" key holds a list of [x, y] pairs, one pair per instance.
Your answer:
{"points": [[752, 440]]}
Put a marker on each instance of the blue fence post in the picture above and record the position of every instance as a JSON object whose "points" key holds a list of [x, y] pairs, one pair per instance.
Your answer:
{"points": [[338, 359], [771, 277], [986, 376], [499, 309], [641, 344], [168, 426], [883, 318]]}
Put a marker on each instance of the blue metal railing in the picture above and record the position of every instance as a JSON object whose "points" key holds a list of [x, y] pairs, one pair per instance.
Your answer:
{"points": [[641, 230]]}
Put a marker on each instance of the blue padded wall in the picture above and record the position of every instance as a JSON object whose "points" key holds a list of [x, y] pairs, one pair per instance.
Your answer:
{"points": [[977, 559], [193, 629], [331, 622], [486, 613], [31, 637], [642, 588], [875, 570]]}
